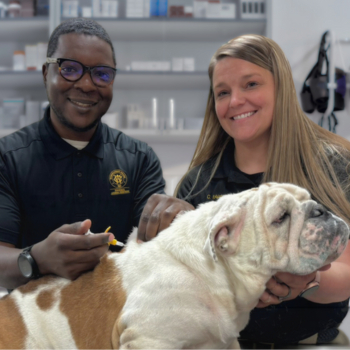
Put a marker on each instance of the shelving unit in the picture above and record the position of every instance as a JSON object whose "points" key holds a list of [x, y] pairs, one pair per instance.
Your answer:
{"points": [[174, 29]]}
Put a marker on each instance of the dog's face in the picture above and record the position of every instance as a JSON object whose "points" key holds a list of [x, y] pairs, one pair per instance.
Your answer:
{"points": [[278, 227]]}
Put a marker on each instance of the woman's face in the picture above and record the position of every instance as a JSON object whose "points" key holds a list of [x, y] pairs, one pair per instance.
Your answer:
{"points": [[244, 96]]}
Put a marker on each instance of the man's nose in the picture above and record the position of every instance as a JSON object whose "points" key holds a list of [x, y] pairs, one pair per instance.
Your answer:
{"points": [[85, 83]]}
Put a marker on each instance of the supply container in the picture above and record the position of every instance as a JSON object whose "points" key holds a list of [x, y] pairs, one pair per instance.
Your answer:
{"points": [[13, 112], [14, 9], [19, 60]]}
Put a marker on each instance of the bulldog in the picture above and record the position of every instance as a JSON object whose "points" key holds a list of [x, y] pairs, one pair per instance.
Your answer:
{"points": [[192, 286]]}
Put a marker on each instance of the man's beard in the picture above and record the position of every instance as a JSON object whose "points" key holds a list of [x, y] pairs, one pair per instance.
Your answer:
{"points": [[71, 126]]}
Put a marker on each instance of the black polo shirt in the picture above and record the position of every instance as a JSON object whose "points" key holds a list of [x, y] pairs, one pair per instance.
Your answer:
{"points": [[290, 321], [45, 182], [227, 179]]}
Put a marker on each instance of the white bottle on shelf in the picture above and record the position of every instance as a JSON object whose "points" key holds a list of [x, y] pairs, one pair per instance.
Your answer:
{"points": [[19, 61]]}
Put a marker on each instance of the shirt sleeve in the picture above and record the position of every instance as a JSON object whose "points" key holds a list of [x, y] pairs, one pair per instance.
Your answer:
{"points": [[150, 181], [10, 218]]}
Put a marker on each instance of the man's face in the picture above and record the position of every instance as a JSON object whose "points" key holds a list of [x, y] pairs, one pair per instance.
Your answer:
{"points": [[76, 107]]}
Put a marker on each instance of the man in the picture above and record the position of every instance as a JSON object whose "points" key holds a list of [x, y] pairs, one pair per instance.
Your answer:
{"points": [[70, 169]]}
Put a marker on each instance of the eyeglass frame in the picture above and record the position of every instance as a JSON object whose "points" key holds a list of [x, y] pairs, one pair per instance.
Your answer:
{"points": [[59, 61]]}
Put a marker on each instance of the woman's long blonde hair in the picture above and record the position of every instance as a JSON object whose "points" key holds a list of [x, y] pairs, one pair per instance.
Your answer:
{"points": [[299, 150]]}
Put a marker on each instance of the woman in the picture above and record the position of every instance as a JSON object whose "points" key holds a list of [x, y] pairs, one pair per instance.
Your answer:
{"points": [[254, 131]]}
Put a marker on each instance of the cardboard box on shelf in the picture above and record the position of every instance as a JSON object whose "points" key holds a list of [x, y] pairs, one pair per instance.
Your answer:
{"points": [[135, 116], [177, 64], [86, 12], [13, 112], [41, 55], [176, 11], [70, 8], [42, 8], [19, 61], [31, 56], [200, 8], [27, 8], [188, 64], [32, 112], [188, 11], [109, 8], [135, 8], [228, 11], [111, 119], [213, 9], [96, 8]]}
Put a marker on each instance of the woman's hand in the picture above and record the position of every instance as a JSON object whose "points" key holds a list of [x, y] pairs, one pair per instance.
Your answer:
{"points": [[285, 286]]}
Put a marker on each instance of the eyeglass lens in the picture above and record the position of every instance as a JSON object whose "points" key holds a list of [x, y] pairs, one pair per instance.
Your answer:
{"points": [[101, 76]]}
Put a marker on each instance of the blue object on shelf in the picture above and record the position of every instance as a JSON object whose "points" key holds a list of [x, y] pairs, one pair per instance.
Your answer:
{"points": [[162, 8], [154, 8]]}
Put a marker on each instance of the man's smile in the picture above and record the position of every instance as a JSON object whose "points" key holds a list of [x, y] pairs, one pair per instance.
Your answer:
{"points": [[82, 103]]}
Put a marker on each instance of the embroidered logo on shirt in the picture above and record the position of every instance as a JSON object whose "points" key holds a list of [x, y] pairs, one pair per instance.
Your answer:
{"points": [[213, 197], [118, 180]]}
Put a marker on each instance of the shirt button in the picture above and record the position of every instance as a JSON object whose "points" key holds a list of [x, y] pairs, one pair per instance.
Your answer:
{"points": [[80, 195], [80, 174], [78, 154]]}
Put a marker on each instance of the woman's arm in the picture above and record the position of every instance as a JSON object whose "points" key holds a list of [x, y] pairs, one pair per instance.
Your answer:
{"points": [[335, 282]]}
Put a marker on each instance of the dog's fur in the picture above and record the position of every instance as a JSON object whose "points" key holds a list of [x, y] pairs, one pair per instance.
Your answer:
{"points": [[192, 286]]}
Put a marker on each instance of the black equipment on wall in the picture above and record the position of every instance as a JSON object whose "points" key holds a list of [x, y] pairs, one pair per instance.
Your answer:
{"points": [[315, 92]]}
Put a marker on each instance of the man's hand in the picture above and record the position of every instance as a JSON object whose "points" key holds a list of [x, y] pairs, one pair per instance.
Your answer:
{"points": [[67, 252], [158, 213]]}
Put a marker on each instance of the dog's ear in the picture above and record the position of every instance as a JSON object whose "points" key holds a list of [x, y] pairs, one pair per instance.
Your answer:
{"points": [[224, 233]]}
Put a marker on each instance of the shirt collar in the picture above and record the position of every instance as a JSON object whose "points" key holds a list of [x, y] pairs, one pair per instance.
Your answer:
{"points": [[60, 149], [227, 167]]}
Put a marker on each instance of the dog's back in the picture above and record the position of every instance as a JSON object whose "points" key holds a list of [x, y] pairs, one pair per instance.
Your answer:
{"points": [[52, 312]]}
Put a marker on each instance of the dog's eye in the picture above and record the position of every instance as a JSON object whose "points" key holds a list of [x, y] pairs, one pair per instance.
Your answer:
{"points": [[282, 218], [316, 213]]}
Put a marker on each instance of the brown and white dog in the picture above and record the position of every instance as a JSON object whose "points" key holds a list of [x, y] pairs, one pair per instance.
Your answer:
{"points": [[192, 286]]}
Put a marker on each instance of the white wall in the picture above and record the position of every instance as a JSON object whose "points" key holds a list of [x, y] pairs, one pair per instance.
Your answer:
{"points": [[297, 26]]}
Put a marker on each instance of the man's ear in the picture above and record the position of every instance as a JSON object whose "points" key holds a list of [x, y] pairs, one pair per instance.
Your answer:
{"points": [[44, 70], [225, 232]]}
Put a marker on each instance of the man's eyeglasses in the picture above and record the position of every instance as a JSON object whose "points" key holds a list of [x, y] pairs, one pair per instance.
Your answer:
{"points": [[72, 70]]}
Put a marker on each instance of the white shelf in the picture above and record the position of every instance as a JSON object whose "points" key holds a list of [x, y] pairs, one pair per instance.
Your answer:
{"points": [[174, 29], [26, 30], [123, 81], [164, 136], [128, 29], [21, 79], [149, 136]]}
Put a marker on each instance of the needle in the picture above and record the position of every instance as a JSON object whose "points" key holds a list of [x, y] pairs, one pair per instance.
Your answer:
{"points": [[114, 242]]}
